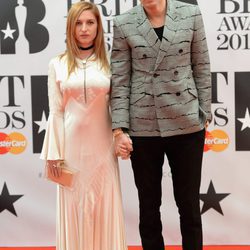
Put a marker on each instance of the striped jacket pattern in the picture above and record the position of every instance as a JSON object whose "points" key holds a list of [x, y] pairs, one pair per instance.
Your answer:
{"points": [[160, 88]]}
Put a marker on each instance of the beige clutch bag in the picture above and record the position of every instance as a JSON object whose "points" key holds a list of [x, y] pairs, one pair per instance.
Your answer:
{"points": [[67, 177]]}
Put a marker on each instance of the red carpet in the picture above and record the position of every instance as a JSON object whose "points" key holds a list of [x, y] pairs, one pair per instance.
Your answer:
{"points": [[138, 248]]}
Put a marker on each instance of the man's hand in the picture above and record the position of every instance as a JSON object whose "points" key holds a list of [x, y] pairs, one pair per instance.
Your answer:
{"points": [[123, 145], [207, 124]]}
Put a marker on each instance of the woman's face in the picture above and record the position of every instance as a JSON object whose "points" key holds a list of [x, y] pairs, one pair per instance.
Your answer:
{"points": [[86, 29]]}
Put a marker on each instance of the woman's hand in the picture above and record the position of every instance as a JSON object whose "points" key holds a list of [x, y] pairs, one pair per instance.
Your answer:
{"points": [[54, 167]]}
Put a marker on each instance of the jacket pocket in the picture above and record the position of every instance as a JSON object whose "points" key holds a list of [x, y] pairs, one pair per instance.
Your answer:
{"points": [[193, 92], [137, 90]]}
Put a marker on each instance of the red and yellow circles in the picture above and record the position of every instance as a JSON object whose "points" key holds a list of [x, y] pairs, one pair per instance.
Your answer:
{"points": [[216, 140], [14, 143]]}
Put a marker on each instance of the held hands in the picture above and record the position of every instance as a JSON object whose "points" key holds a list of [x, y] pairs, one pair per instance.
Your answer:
{"points": [[54, 167], [123, 144]]}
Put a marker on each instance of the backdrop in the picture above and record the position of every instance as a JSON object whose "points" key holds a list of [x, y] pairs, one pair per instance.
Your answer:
{"points": [[32, 32]]}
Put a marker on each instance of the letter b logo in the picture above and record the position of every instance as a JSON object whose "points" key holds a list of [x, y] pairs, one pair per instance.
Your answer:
{"points": [[20, 22]]}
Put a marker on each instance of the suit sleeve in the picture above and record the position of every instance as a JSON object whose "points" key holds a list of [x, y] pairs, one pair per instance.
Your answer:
{"points": [[53, 145], [201, 65], [120, 80]]}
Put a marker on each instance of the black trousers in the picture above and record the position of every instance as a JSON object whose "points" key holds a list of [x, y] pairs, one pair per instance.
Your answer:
{"points": [[184, 154]]}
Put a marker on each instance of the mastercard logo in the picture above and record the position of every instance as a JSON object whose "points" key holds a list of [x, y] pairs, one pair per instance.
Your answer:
{"points": [[216, 140], [14, 143]]}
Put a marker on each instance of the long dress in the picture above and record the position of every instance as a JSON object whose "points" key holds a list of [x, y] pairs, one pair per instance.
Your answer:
{"points": [[90, 216]]}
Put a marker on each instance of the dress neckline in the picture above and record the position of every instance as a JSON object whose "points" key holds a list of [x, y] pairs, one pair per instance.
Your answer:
{"points": [[89, 58]]}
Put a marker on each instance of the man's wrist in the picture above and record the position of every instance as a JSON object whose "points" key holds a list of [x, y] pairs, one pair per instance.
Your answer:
{"points": [[117, 131]]}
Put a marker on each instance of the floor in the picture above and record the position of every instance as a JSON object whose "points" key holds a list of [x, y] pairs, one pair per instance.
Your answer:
{"points": [[137, 248]]}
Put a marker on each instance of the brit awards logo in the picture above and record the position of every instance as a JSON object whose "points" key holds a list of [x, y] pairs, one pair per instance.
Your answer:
{"points": [[233, 31], [20, 27], [22, 33]]}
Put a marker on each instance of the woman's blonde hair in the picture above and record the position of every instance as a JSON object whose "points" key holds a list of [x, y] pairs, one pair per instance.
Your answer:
{"points": [[72, 50]]}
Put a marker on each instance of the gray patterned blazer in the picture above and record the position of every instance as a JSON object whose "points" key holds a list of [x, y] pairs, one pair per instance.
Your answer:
{"points": [[160, 88]]}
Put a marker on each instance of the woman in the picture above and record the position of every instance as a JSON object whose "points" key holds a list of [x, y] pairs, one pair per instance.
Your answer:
{"points": [[89, 217]]}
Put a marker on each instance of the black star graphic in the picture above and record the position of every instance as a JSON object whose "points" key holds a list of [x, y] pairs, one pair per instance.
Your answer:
{"points": [[7, 200], [212, 200]]}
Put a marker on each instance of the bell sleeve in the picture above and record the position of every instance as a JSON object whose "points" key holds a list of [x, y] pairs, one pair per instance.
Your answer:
{"points": [[53, 145]]}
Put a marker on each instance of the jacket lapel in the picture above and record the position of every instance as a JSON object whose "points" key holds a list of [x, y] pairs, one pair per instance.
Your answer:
{"points": [[147, 31], [170, 28]]}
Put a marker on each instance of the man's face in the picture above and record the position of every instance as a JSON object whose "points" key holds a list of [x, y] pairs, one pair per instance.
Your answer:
{"points": [[151, 3]]}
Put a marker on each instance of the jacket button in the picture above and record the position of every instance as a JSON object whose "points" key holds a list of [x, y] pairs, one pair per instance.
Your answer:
{"points": [[155, 75], [180, 50], [144, 56], [176, 72], [178, 94]]}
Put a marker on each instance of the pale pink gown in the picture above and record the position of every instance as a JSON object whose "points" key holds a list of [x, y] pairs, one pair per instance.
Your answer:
{"points": [[79, 130]]}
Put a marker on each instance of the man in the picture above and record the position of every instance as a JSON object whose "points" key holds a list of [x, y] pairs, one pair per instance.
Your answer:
{"points": [[161, 97]]}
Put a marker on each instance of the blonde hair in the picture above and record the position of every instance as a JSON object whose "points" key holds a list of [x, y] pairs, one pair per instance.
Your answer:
{"points": [[72, 50]]}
